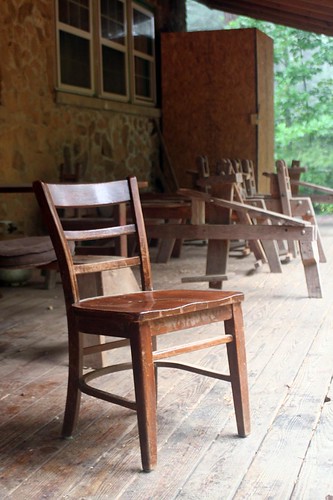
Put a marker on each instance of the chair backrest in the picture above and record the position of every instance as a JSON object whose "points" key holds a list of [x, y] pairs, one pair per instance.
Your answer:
{"points": [[53, 198]]}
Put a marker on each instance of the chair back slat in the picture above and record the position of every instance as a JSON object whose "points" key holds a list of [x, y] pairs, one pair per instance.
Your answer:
{"points": [[106, 265], [89, 195], [93, 234]]}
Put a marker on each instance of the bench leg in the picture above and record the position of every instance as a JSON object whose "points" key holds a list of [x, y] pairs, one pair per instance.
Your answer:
{"points": [[302, 207], [50, 279], [309, 254], [217, 260], [272, 254], [167, 245]]}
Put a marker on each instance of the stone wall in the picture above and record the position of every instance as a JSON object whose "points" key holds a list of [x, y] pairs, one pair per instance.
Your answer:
{"points": [[38, 130]]}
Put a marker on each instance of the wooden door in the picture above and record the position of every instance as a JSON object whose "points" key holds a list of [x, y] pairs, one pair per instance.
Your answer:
{"points": [[210, 101]]}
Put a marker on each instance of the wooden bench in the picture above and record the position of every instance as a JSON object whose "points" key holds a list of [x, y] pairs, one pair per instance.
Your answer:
{"points": [[216, 203], [281, 227]]}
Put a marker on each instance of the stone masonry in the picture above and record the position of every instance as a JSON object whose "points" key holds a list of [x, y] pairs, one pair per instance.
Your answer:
{"points": [[38, 133]]}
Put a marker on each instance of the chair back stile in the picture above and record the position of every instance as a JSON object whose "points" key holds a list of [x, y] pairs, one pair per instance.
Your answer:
{"points": [[145, 268], [63, 253]]}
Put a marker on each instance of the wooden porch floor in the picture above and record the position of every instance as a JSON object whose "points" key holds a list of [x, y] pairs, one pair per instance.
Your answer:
{"points": [[290, 352]]}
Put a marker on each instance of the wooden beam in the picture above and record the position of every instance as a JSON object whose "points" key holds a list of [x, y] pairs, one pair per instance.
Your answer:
{"points": [[232, 232], [306, 15]]}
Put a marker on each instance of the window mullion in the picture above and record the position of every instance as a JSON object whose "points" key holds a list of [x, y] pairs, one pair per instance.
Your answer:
{"points": [[96, 47], [114, 49], [130, 44]]}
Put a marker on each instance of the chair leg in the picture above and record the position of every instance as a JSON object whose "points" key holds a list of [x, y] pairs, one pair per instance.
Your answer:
{"points": [[238, 371], [73, 392], [145, 396]]}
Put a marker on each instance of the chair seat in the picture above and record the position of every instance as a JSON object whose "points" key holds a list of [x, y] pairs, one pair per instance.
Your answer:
{"points": [[146, 306]]}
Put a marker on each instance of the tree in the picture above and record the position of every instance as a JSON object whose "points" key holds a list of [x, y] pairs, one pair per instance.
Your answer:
{"points": [[303, 97], [200, 18]]}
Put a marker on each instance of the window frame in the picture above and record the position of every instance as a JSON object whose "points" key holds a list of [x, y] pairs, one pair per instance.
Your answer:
{"points": [[104, 42], [97, 42], [67, 28], [137, 53]]}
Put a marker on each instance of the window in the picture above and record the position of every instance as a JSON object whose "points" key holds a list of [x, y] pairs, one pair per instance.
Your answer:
{"points": [[106, 49], [143, 52]]}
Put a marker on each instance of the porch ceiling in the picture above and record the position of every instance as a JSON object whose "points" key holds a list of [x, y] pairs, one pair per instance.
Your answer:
{"points": [[307, 15]]}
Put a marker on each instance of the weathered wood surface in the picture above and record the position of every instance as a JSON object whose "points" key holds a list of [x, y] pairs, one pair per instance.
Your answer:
{"points": [[320, 194], [232, 232], [233, 75], [288, 455]]}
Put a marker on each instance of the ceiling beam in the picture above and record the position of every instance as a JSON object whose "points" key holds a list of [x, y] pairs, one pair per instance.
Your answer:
{"points": [[308, 15]]}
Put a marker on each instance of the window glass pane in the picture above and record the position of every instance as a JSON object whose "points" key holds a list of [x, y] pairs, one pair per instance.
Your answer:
{"points": [[75, 13], [142, 78], [74, 60], [143, 32], [113, 21], [114, 71]]}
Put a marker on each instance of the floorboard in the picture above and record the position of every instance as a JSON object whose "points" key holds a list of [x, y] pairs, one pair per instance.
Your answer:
{"points": [[289, 453]]}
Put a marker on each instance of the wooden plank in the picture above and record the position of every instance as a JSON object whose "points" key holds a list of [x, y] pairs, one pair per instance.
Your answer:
{"points": [[166, 245], [16, 188], [310, 259], [114, 440], [255, 245], [105, 479], [218, 250], [205, 277], [315, 187], [285, 197], [302, 207], [242, 207], [232, 232], [169, 174], [214, 459], [316, 479], [273, 371], [322, 198], [198, 449], [212, 117], [292, 430], [43, 454]]}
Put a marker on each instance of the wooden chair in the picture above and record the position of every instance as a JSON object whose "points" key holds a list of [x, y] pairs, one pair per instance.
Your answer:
{"points": [[282, 200], [136, 318]]}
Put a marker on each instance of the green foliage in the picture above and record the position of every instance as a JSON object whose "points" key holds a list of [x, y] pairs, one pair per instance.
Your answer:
{"points": [[201, 18], [303, 97]]}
